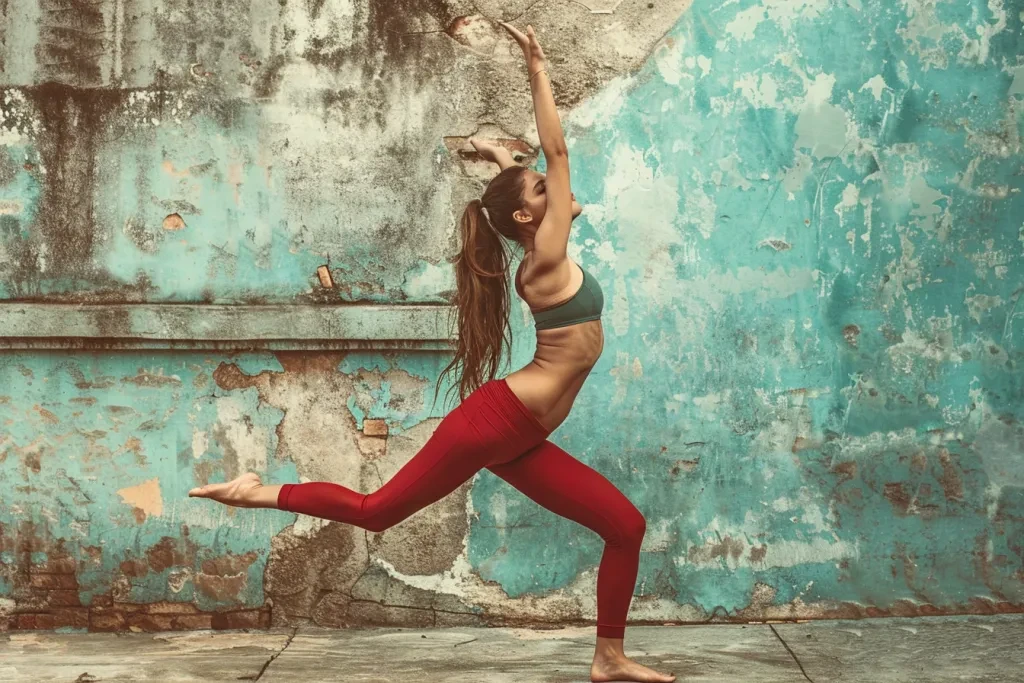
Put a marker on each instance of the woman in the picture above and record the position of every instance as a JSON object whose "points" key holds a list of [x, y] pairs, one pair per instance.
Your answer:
{"points": [[503, 424]]}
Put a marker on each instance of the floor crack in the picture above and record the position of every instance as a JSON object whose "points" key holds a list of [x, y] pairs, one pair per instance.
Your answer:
{"points": [[273, 657], [791, 653]]}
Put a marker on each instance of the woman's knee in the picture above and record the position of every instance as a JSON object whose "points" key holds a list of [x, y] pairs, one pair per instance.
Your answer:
{"points": [[636, 527], [630, 528]]}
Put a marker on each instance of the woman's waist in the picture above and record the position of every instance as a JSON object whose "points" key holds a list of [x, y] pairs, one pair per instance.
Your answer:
{"points": [[548, 391], [569, 350]]}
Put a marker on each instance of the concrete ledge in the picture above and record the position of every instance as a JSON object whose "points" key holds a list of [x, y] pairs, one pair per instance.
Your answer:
{"points": [[224, 327]]}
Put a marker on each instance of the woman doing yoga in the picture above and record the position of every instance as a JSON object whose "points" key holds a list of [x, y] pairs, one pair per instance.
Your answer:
{"points": [[503, 424]]}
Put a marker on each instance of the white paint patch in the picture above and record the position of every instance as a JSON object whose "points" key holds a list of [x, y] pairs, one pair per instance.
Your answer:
{"points": [[643, 206], [761, 92], [745, 23], [427, 279], [700, 208], [777, 553], [705, 65], [709, 403], [200, 442], [658, 537], [821, 126], [876, 85], [145, 496], [784, 13], [980, 304], [250, 442], [601, 111], [605, 253], [1017, 87]]}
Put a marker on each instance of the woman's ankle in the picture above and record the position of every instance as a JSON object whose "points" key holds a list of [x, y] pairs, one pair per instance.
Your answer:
{"points": [[609, 648]]}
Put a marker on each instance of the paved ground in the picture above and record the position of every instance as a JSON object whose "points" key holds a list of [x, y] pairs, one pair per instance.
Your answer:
{"points": [[877, 650]]}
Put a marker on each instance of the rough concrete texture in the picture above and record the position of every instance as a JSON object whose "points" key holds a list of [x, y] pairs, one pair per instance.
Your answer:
{"points": [[805, 216], [223, 152], [869, 650]]}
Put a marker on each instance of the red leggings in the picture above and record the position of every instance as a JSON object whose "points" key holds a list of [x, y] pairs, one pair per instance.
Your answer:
{"points": [[493, 429]]}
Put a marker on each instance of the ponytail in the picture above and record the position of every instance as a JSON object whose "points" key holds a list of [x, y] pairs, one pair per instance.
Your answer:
{"points": [[482, 301]]}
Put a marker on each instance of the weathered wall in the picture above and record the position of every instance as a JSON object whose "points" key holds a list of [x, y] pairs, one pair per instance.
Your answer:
{"points": [[805, 215]]}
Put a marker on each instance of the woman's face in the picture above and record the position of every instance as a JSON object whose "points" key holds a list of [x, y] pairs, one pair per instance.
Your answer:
{"points": [[535, 197]]}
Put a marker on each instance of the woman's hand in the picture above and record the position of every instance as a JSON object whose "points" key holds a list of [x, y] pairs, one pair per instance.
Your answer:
{"points": [[484, 149], [531, 48], [493, 153]]}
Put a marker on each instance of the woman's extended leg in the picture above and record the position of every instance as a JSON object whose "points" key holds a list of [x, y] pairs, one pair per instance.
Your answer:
{"points": [[490, 427], [561, 483]]}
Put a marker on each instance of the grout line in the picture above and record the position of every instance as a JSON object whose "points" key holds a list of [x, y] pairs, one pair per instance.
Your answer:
{"points": [[791, 653], [267, 664]]}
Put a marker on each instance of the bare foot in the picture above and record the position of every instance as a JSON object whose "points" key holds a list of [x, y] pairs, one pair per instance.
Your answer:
{"points": [[240, 492], [623, 668]]}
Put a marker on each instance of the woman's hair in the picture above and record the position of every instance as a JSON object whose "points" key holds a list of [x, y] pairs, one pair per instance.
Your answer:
{"points": [[481, 276]]}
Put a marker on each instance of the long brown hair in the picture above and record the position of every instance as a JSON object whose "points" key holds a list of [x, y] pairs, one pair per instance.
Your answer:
{"points": [[481, 277]]}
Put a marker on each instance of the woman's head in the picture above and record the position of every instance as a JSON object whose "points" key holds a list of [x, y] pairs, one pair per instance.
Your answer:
{"points": [[516, 201], [534, 200], [512, 206]]}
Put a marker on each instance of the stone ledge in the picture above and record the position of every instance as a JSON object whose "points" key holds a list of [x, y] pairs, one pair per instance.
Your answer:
{"points": [[224, 327]]}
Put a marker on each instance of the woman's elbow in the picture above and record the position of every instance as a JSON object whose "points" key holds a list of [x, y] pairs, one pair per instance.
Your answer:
{"points": [[559, 151]]}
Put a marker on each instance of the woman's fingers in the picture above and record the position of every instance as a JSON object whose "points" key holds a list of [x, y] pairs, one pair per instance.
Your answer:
{"points": [[516, 33]]}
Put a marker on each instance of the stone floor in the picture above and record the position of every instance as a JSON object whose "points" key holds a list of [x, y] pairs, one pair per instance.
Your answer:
{"points": [[877, 650]]}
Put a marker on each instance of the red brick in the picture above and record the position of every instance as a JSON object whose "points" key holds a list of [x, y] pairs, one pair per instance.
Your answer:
{"points": [[60, 565], [53, 581], [151, 622], [128, 607], [373, 427], [107, 621], [75, 617], [191, 622], [241, 619], [64, 598], [101, 601], [167, 607], [40, 621]]}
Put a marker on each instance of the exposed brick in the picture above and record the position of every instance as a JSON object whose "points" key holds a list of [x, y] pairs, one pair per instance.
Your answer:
{"points": [[53, 581], [35, 621], [60, 565], [128, 607], [189, 622], [375, 427], [167, 607], [107, 621], [101, 601], [241, 619], [31, 600], [76, 617], [151, 622], [64, 598]]}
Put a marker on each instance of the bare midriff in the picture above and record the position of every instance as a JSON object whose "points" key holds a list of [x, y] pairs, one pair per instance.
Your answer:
{"points": [[548, 384]]}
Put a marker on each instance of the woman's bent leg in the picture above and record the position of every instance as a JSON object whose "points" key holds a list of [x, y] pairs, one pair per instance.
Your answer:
{"points": [[488, 427], [561, 483]]}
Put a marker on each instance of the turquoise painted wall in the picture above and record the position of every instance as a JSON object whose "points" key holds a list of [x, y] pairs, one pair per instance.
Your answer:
{"points": [[806, 220]]}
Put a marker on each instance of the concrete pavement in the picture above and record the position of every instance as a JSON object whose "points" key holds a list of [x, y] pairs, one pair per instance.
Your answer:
{"points": [[877, 650]]}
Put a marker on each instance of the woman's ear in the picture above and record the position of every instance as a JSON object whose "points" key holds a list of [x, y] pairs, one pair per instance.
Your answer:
{"points": [[522, 216]]}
